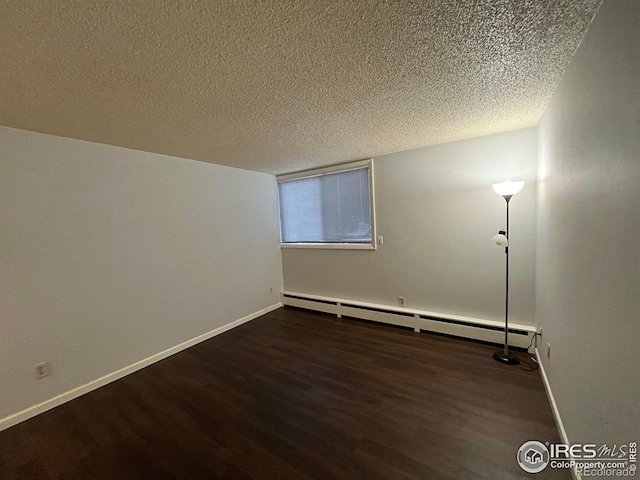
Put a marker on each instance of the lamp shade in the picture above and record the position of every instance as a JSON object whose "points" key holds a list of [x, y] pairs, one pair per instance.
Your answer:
{"points": [[507, 188], [500, 240]]}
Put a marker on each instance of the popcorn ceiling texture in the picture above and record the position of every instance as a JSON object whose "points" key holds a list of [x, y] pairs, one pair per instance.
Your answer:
{"points": [[278, 86]]}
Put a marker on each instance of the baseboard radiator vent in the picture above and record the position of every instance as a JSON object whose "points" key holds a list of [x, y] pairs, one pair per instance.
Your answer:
{"points": [[419, 320]]}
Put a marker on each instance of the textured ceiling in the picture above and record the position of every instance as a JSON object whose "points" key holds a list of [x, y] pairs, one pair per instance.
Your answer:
{"points": [[278, 86]]}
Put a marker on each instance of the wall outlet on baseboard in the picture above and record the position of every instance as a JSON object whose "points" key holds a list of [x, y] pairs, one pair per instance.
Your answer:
{"points": [[539, 331], [548, 351], [402, 301], [42, 370]]}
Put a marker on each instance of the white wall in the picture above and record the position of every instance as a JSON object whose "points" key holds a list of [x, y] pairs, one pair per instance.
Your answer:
{"points": [[437, 213], [109, 255], [588, 248]]}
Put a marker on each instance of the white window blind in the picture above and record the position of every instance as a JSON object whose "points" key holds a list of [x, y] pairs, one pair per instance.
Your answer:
{"points": [[333, 208]]}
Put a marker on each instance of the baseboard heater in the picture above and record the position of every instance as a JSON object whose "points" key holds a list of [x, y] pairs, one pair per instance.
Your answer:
{"points": [[419, 320]]}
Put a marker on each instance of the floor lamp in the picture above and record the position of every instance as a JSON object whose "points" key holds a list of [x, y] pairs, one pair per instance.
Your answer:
{"points": [[506, 190]]}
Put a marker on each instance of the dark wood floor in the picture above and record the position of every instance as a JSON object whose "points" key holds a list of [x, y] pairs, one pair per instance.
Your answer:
{"points": [[291, 395]]}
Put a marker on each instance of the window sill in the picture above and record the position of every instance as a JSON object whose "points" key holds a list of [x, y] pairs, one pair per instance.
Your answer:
{"points": [[331, 246]]}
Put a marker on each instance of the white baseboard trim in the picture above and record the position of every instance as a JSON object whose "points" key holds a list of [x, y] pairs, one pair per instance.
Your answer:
{"points": [[554, 409], [42, 407], [419, 320]]}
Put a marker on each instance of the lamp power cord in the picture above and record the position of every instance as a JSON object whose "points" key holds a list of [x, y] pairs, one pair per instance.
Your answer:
{"points": [[533, 364]]}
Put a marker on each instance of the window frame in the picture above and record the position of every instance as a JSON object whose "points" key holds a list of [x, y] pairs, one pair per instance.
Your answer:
{"points": [[324, 171]]}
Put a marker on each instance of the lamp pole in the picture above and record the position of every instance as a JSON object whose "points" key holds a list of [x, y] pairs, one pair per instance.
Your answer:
{"points": [[505, 356]]}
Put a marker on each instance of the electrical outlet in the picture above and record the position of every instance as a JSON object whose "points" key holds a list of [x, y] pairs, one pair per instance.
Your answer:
{"points": [[539, 331], [380, 239], [42, 370], [402, 301], [549, 351]]}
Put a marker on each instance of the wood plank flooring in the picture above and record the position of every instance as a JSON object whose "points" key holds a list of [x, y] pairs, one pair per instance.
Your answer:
{"points": [[297, 395]]}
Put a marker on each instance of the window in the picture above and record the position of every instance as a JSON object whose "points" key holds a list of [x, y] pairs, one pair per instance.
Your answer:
{"points": [[328, 208]]}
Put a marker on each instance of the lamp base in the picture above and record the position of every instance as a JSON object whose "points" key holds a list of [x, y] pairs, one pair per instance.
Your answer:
{"points": [[509, 359]]}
